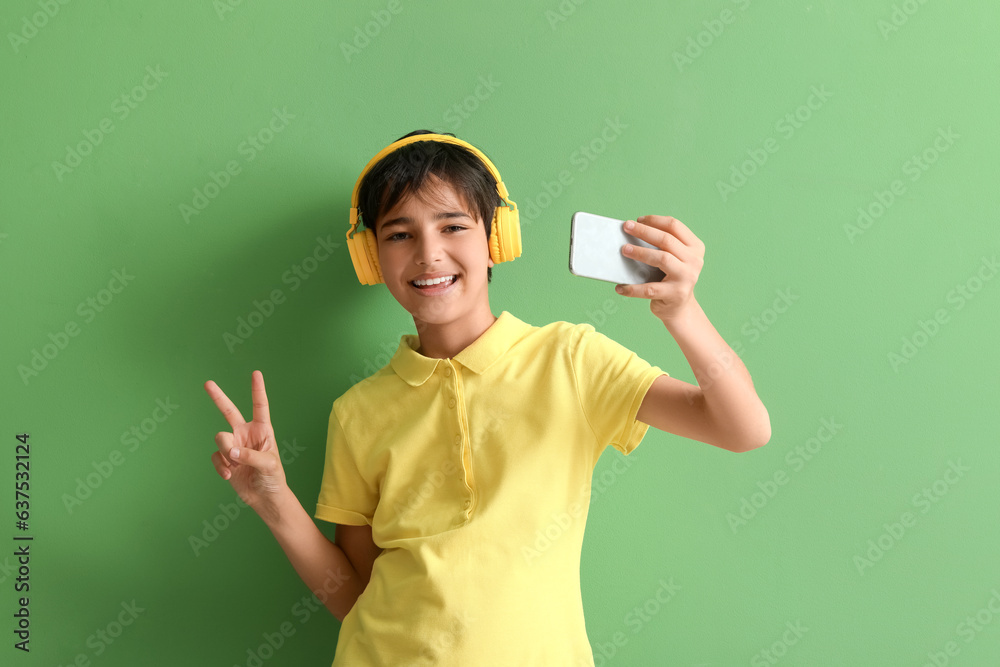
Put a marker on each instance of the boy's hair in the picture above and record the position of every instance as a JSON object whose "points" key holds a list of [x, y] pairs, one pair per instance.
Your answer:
{"points": [[408, 167]]}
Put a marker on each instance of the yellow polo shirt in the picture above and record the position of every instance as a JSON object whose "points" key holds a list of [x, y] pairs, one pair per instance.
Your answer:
{"points": [[474, 473]]}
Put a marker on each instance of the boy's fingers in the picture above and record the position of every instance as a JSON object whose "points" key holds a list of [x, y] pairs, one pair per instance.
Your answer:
{"points": [[226, 406], [251, 457], [224, 441], [220, 465], [261, 413]]}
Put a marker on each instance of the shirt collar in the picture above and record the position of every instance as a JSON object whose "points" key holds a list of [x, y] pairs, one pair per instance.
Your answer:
{"points": [[415, 368]]}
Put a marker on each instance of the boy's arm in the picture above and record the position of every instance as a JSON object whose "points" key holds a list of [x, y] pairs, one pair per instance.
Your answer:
{"points": [[323, 566], [724, 409]]}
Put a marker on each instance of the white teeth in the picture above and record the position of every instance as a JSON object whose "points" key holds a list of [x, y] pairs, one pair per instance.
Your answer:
{"points": [[437, 281]]}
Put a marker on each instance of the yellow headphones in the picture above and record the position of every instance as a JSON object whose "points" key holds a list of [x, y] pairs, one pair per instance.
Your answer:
{"points": [[505, 234]]}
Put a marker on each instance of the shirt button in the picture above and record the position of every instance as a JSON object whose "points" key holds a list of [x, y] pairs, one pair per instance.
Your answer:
{"points": [[468, 502], [451, 402], [458, 438], [447, 371]]}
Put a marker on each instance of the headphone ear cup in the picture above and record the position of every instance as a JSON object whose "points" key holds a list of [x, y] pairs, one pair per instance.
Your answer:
{"points": [[372, 254], [506, 245], [364, 255]]}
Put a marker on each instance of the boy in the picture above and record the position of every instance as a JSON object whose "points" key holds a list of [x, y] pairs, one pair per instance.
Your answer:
{"points": [[458, 475]]}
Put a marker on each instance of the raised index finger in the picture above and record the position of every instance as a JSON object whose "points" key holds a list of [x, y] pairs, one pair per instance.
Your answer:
{"points": [[226, 406], [261, 413]]}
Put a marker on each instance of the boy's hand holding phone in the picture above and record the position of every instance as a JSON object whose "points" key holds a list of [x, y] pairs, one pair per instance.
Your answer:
{"points": [[678, 253], [248, 457], [654, 257]]}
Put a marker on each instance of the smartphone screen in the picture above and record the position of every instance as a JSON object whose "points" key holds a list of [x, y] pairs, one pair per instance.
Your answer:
{"points": [[595, 251]]}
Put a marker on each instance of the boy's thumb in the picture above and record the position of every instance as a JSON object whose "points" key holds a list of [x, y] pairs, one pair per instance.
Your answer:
{"points": [[252, 458]]}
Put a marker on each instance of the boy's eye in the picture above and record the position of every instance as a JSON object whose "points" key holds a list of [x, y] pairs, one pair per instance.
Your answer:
{"points": [[392, 237]]}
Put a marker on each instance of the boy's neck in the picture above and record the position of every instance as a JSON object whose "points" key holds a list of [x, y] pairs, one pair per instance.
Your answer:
{"points": [[444, 341]]}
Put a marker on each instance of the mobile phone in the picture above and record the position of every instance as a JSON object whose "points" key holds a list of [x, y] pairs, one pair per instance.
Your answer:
{"points": [[595, 251]]}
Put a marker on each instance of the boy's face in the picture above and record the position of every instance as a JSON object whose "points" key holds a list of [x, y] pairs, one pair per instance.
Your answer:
{"points": [[434, 233]]}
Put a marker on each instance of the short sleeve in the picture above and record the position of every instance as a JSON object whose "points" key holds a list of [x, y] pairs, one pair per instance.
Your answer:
{"points": [[345, 496], [611, 382]]}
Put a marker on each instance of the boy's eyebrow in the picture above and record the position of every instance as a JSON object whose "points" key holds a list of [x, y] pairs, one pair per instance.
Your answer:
{"points": [[404, 220]]}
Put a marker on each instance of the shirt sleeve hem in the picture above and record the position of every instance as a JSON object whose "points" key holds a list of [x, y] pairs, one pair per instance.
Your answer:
{"points": [[635, 431], [338, 515]]}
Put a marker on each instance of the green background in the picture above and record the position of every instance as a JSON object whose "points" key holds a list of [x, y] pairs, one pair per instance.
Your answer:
{"points": [[893, 75]]}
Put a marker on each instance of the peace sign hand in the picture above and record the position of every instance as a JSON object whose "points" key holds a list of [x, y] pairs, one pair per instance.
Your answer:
{"points": [[248, 457]]}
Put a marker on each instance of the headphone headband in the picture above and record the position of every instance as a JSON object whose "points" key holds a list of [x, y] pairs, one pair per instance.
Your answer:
{"points": [[443, 138]]}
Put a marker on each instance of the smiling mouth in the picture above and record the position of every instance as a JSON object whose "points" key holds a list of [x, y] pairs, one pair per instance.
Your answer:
{"points": [[434, 289]]}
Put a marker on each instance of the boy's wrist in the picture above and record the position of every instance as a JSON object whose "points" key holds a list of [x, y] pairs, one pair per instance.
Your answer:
{"points": [[281, 508]]}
